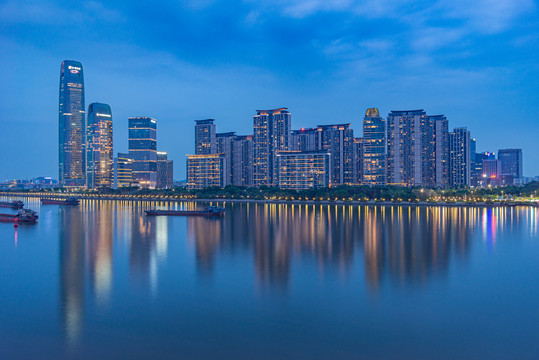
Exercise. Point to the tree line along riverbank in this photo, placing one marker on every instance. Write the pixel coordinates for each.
(377, 194)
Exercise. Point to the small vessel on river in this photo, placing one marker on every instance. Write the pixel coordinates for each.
(68, 201)
(23, 216)
(211, 211)
(16, 204)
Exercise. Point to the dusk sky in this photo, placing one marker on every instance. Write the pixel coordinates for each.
(327, 61)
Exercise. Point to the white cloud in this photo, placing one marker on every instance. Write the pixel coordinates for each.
(487, 16)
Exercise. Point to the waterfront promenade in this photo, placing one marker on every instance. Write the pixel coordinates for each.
(182, 198)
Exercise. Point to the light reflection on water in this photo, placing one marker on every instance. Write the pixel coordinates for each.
(110, 253)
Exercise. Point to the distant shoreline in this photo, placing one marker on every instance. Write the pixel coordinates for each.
(272, 201)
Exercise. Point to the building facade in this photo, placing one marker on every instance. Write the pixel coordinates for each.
(205, 141)
(165, 171)
(492, 168)
(123, 171)
(303, 170)
(359, 159)
(338, 140)
(374, 166)
(460, 157)
(303, 139)
(511, 165)
(225, 147)
(242, 160)
(72, 127)
(405, 147)
(99, 155)
(436, 166)
(271, 134)
(206, 170)
(143, 150)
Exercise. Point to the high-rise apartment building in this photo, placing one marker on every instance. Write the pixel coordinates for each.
(303, 170)
(359, 159)
(373, 167)
(225, 147)
(511, 164)
(338, 140)
(206, 170)
(406, 147)
(242, 160)
(165, 171)
(143, 150)
(72, 128)
(459, 157)
(436, 143)
(205, 141)
(99, 156)
(303, 139)
(271, 134)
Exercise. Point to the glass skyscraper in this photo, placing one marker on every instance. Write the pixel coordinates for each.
(99, 146)
(143, 150)
(72, 129)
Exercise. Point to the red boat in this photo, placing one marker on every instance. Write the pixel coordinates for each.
(68, 201)
(17, 204)
(212, 211)
(23, 216)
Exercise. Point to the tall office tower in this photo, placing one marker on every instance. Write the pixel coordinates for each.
(271, 134)
(205, 142)
(143, 150)
(242, 159)
(225, 146)
(165, 171)
(72, 128)
(459, 157)
(436, 144)
(374, 148)
(338, 139)
(123, 171)
(206, 170)
(511, 161)
(299, 170)
(303, 139)
(99, 158)
(406, 150)
(359, 160)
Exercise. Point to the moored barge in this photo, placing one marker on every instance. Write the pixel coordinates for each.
(23, 216)
(211, 211)
(68, 201)
(17, 204)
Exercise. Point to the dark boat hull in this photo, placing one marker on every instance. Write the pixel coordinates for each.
(58, 202)
(12, 206)
(13, 218)
(183, 213)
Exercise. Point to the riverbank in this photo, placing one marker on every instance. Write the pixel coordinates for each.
(167, 198)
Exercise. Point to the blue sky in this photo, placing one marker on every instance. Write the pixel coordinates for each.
(327, 61)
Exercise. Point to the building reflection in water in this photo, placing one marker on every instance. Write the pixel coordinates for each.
(71, 245)
(399, 244)
(404, 244)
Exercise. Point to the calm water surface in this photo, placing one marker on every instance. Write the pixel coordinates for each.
(270, 281)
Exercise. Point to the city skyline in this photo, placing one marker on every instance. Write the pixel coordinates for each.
(450, 68)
